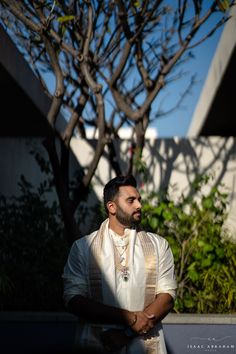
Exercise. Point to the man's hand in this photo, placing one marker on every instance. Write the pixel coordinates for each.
(144, 322)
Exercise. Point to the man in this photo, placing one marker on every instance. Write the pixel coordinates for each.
(120, 280)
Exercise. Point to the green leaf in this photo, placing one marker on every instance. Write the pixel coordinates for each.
(220, 252)
(193, 275)
(206, 262)
(63, 19)
(223, 4)
(158, 210)
(198, 255)
(207, 203)
(201, 243)
(189, 303)
(207, 248)
(153, 223)
(167, 215)
(137, 4)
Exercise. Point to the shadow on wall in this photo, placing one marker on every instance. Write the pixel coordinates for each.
(173, 160)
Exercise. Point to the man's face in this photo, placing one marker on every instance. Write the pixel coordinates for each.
(128, 206)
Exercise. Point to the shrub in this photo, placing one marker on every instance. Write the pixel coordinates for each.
(33, 249)
(205, 258)
(32, 252)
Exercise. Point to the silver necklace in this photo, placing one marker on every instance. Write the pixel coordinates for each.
(119, 257)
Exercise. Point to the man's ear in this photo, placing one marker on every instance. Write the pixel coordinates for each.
(111, 207)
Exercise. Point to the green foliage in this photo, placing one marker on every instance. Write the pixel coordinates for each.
(32, 251)
(33, 247)
(140, 165)
(223, 4)
(205, 261)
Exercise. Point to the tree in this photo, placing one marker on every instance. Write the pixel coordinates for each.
(110, 61)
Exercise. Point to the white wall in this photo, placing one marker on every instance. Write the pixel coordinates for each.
(174, 163)
(170, 162)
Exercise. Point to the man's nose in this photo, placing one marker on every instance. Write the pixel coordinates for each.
(138, 204)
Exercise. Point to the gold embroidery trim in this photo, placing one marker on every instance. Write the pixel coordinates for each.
(95, 276)
(151, 267)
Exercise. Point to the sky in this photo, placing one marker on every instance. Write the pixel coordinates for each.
(177, 123)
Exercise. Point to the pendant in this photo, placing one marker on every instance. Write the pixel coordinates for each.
(125, 273)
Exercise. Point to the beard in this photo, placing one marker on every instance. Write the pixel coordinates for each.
(127, 219)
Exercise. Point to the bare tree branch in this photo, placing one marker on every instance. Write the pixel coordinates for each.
(110, 61)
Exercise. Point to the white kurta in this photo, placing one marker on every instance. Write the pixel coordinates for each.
(128, 295)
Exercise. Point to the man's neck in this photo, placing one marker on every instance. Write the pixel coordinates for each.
(117, 228)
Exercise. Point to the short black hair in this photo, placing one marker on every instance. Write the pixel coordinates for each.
(111, 189)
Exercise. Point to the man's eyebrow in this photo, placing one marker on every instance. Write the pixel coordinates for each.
(133, 198)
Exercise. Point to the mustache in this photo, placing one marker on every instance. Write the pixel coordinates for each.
(138, 211)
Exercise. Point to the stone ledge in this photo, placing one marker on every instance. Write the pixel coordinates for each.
(200, 319)
(67, 317)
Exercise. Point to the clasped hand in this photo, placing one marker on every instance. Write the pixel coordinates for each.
(115, 339)
(144, 322)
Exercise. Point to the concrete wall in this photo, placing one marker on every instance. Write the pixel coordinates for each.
(172, 163)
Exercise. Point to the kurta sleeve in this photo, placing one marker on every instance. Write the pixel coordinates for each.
(74, 274)
(166, 270)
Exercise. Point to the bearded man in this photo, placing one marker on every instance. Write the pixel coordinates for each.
(120, 280)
